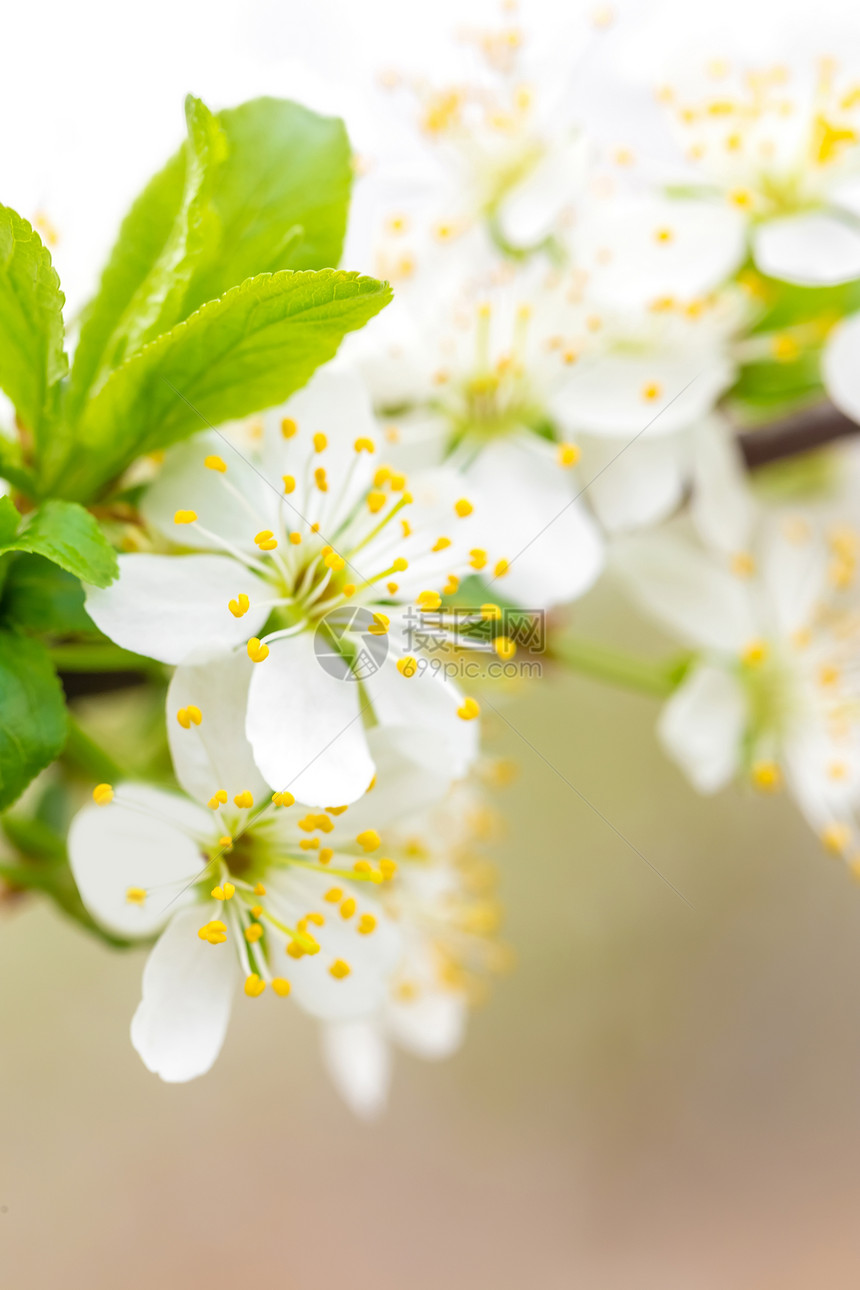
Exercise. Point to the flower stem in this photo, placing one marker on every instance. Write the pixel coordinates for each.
(616, 667)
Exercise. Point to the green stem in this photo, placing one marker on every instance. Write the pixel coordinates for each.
(82, 752)
(99, 658)
(616, 667)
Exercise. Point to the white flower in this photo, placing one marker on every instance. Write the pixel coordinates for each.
(782, 144)
(446, 910)
(841, 367)
(239, 884)
(307, 523)
(773, 692)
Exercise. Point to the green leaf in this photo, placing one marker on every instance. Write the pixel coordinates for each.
(38, 596)
(32, 714)
(145, 282)
(281, 197)
(32, 359)
(9, 520)
(247, 351)
(69, 536)
(12, 466)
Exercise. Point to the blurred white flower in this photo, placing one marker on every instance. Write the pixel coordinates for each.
(339, 533)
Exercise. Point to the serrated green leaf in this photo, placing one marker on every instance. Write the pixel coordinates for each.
(281, 196)
(32, 359)
(38, 596)
(32, 714)
(9, 520)
(247, 351)
(69, 536)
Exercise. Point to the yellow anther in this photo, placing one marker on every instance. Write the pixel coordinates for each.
(837, 770)
(320, 442)
(266, 540)
(215, 932)
(334, 562)
(477, 558)
(785, 349)
(387, 868)
(755, 653)
(184, 517)
(742, 564)
(651, 391)
(364, 445)
(362, 866)
(504, 647)
(828, 674)
(321, 479)
(257, 651)
(366, 924)
(253, 932)
(218, 799)
(190, 716)
(334, 895)
(368, 840)
(102, 794)
(259, 889)
(452, 586)
(309, 844)
(295, 538)
(463, 507)
(325, 855)
(226, 842)
(281, 986)
(468, 710)
(568, 454)
(501, 568)
(283, 799)
(214, 462)
(836, 837)
(766, 776)
(256, 911)
(288, 427)
(227, 892)
(397, 482)
(347, 907)
(380, 625)
(429, 600)
(490, 612)
(441, 544)
(136, 895)
(339, 969)
(742, 198)
(313, 917)
(382, 476)
(407, 666)
(289, 483)
(254, 986)
(375, 501)
(337, 810)
(240, 605)
(663, 235)
(296, 950)
(399, 565)
(244, 800)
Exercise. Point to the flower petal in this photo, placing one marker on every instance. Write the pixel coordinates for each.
(358, 1060)
(432, 1025)
(629, 396)
(816, 249)
(143, 839)
(702, 727)
(633, 486)
(841, 367)
(216, 754)
(305, 726)
(168, 606)
(180, 1023)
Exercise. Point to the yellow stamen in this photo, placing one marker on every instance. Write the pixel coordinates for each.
(766, 776)
(227, 892)
(136, 895)
(257, 651)
(218, 799)
(364, 445)
(253, 932)
(334, 895)
(289, 483)
(469, 710)
(320, 442)
(184, 517)
(429, 600)
(755, 653)
(340, 969)
(266, 540)
(240, 605)
(407, 666)
(288, 427)
(283, 799)
(244, 800)
(281, 986)
(254, 986)
(347, 907)
(215, 932)
(366, 924)
(369, 840)
(189, 716)
(102, 794)
(504, 647)
(568, 454)
(463, 507)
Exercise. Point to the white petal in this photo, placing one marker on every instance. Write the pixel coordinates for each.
(527, 513)
(816, 249)
(681, 587)
(216, 754)
(432, 1025)
(180, 1023)
(702, 727)
(305, 726)
(234, 504)
(630, 487)
(615, 395)
(358, 1060)
(168, 606)
(794, 573)
(841, 367)
(529, 212)
(144, 838)
(413, 771)
(723, 508)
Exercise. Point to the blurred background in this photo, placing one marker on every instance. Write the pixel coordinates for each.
(664, 1091)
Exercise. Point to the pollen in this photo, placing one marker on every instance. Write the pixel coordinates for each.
(340, 969)
(214, 932)
(227, 892)
(102, 794)
(218, 799)
(766, 776)
(289, 483)
(136, 895)
(257, 651)
(190, 716)
(407, 666)
(369, 840)
(244, 800)
(254, 986)
(288, 428)
(347, 907)
(651, 391)
(463, 507)
(281, 986)
(214, 462)
(240, 605)
(366, 924)
(429, 600)
(568, 455)
(266, 540)
(184, 517)
(469, 710)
